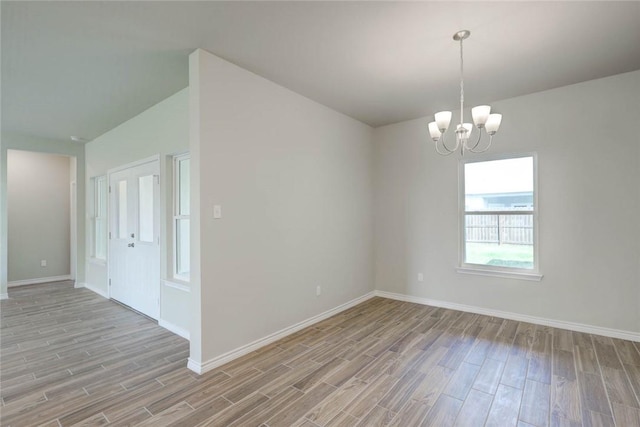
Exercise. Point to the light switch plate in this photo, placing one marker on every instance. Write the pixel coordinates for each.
(217, 211)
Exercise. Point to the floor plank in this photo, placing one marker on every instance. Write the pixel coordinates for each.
(475, 409)
(444, 412)
(505, 407)
(69, 357)
(534, 408)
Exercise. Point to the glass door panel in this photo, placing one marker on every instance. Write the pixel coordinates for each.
(121, 210)
(145, 208)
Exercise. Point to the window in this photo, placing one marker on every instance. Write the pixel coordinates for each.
(499, 216)
(99, 218)
(181, 213)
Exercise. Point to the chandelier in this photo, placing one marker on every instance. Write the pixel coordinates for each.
(482, 118)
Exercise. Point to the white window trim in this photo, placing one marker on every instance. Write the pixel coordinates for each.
(496, 271)
(180, 278)
(94, 259)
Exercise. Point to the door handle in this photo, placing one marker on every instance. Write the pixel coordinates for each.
(130, 245)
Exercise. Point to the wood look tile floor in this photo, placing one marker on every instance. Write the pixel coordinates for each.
(70, 357)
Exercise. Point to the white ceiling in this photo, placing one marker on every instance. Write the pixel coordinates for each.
(82, 68)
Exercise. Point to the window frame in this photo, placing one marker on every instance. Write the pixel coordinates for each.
(497, 271)
(176, 216)
(99, 216)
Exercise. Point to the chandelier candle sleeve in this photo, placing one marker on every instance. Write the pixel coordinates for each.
(482, 119)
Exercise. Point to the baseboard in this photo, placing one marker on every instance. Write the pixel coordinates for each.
(92, 288)
(4, 296)
(572, 326)
(195, 366)
(175, 329)
(201, 368)
(38, 281)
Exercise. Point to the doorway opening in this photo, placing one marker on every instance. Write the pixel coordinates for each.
(41, 217)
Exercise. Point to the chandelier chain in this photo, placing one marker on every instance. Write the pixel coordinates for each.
(461, 84)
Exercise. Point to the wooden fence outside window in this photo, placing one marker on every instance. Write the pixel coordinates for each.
(503, 227)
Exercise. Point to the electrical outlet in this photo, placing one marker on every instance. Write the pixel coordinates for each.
(43, 263)
(318, 291)
(420, 277)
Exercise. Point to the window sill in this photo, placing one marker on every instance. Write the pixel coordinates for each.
(535, 277)
(98, 261)
(177, 284)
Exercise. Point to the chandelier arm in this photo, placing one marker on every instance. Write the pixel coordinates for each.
(485, 148)
(443, 139)
(477, 142)
(443, 153)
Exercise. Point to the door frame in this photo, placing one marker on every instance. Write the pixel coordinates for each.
(155, 157)
(73, 234)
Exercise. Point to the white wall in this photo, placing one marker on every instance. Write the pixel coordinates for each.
(11, 141)
(294, 180)
(162, 129)
(38, 208)
(588, 146)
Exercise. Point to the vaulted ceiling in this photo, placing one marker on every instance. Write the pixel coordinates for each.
(82, 68)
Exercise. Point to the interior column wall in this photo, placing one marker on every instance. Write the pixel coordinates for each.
(294, 181)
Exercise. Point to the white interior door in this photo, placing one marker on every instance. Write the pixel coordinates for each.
(134, 245)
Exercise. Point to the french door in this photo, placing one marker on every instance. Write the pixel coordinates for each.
(134, 244)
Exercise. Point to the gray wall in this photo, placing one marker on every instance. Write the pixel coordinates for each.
(38, 204)
(294, 180)
(588, 146)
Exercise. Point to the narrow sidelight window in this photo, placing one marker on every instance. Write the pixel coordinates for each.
(99, 225)
(181, 215)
